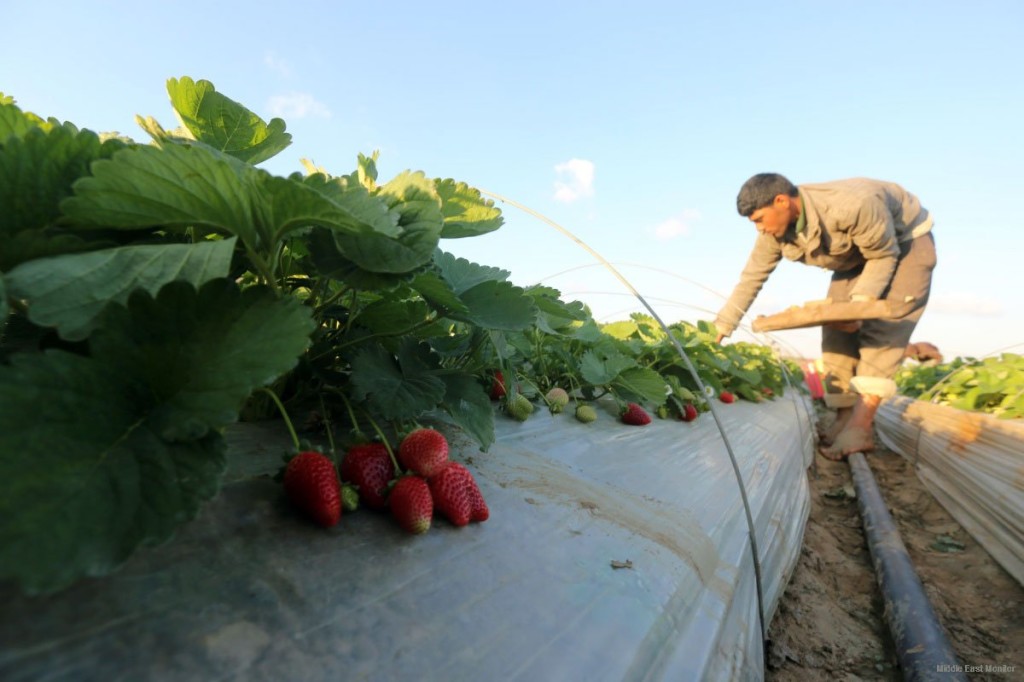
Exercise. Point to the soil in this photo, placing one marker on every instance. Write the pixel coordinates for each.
(830, 622)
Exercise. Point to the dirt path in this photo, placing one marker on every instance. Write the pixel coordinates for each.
(830, 623)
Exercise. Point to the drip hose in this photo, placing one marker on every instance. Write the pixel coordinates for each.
(922, 647)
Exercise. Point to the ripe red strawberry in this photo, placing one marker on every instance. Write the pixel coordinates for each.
(689, 413)
(478, 510)
(369, 467)
(311, 484)
(457, 496)
(423, 451)
(635, 415)
(497, 385)
(726, 397)
(412, 504)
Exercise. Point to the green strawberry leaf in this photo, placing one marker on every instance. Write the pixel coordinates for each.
(296, 203)
(392, 318)
(104, 453)
(69, 292)
(329, 262)
(397, 388)
(181, 185)
(622, 330)
(1012, 407)
(14, 121)
(462, 274)
(641, 384)
(588, 332)
(36, 172)
(707, 331)
(554, 315)
(366, 170)
(470, 407)
(497, 305)
(87, 477)
(379, 253)
(225, 124)
(161, 135)
(415, 200)
(201, 353)
(437, 292)
(600, 367)
(466, 213)
(354, 198)
(170, 186)
(412, 198)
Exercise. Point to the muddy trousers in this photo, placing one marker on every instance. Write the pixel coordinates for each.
(866, 360)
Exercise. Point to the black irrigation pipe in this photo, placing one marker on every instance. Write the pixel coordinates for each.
(921, 644)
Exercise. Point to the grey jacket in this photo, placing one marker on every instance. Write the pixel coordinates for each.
(850, 223)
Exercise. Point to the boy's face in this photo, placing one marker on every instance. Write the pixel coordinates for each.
(775, 218)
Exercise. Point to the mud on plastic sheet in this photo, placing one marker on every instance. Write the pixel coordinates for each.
(612, 553)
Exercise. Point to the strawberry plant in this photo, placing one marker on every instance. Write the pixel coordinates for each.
(153, 293)
(993, 385)
(148, 290)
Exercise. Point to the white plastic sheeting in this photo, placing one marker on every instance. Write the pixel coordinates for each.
(974, 466)
(613, 552)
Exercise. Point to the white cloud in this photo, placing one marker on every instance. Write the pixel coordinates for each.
(676, 226)
(297, 105)
(575, 180)
(277, 64)
(968, 304)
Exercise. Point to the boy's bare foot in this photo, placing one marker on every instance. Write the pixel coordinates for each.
(848, 441)
(827, 434)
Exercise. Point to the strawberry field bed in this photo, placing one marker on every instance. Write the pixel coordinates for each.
(972, 462)
(176, 321)
(611, 553)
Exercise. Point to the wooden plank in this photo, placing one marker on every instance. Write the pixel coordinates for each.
(816, 313)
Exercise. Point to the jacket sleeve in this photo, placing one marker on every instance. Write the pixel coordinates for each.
(765, 255)
(875, 236)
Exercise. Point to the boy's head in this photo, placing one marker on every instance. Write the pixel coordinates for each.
(770, 201)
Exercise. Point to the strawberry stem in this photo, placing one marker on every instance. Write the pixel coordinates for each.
(573, 388)
(351, 415)
(327, 422)
(284, 415)
(387, 446)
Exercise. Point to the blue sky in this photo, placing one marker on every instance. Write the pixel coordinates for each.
(632, 125)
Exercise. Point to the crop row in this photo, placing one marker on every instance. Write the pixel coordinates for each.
(153, 293)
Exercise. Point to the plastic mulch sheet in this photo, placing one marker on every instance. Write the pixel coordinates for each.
(974, 466)
(613, 552)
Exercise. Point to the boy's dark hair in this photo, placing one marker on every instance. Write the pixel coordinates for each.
(761, 190)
